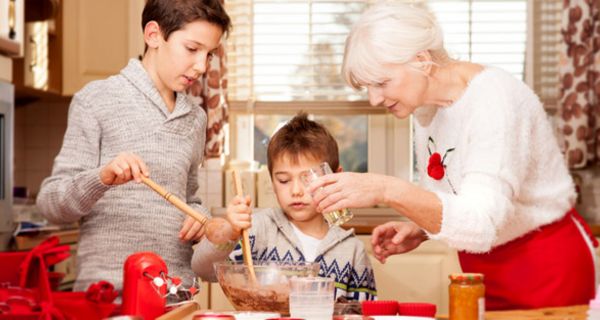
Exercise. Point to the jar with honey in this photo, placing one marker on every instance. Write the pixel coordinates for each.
(467, 296)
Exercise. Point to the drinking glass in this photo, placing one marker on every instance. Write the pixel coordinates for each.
(334, 218)
(311, 298)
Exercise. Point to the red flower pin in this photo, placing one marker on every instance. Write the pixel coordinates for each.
(435, 168)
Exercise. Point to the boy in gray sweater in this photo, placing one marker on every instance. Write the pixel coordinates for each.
(138, 122)
(295, 231)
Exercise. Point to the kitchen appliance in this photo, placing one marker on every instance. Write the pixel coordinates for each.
(145, 287)
(7, 98)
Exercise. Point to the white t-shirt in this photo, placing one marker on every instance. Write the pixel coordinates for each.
(309, 244)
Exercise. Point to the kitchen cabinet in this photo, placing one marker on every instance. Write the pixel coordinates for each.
(98, 38)
(11, 27)
(11, 35)
(418, 276)
(79, 41)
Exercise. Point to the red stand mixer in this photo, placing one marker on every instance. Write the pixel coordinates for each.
(145, 285)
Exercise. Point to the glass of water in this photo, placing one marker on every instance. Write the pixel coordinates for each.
(334, 218)
(311, 298)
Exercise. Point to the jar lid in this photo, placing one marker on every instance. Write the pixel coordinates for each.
(466, 277)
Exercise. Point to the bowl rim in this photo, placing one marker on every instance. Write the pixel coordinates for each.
(260, 265)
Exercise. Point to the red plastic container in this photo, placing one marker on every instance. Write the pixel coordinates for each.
(380, 308)
(417, 309)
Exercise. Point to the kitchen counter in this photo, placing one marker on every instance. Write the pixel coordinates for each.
(562, 313)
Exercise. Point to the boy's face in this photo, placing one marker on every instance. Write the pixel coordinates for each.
(183, 58)
(290, 190)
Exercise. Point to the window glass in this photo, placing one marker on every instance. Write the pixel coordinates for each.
(349, 131)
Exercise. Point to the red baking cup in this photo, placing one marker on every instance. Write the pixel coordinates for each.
(380, 308)
(421, 309)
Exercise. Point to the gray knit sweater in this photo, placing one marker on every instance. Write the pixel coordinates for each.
(125, 113)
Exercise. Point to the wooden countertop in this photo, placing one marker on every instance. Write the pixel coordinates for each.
(562, 313)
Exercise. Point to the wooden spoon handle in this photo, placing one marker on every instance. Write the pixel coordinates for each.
(174, 200)
(237, 185)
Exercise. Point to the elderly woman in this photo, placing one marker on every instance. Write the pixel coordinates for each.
(493, 181)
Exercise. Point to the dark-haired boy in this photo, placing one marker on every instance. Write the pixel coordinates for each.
(121, 128)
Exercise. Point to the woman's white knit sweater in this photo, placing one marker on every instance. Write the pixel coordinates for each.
(504, 173)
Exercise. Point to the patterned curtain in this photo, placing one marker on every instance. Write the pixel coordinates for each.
(210, 93)
(579, 106)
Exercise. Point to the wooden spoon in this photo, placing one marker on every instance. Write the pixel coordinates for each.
(218, 230)
(237, 186)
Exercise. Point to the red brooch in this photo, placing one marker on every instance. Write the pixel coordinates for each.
(436, 168)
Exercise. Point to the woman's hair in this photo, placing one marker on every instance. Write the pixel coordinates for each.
(301, 137)
(390, 33)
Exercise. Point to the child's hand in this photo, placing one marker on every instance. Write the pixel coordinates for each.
(239, 214)
(125, 167)
(192, 230)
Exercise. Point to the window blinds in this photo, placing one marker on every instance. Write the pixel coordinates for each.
(292, 50)
(547, 15)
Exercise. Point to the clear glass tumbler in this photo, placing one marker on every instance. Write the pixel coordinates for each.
(334, 218)
(311, 297)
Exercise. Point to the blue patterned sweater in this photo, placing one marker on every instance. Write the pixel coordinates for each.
(341, 254)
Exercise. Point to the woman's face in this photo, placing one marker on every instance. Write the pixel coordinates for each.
(401, 92)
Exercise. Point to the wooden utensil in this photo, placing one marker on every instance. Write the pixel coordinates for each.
(218, 230)
(237, 186)
(174, 200)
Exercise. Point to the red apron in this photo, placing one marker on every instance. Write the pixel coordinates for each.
(548, 267)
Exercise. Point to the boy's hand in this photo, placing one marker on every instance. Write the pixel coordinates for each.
(239, 214)
(125, 167)
(191, 230)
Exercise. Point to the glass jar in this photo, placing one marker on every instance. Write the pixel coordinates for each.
(467, 296)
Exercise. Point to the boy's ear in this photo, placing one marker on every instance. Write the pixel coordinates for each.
(152, 34)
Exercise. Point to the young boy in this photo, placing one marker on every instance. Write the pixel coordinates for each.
(296, 231)
(138, 122)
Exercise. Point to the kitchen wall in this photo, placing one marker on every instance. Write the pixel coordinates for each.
(39, 130)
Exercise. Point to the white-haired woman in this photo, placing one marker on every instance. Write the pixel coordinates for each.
(493, 182)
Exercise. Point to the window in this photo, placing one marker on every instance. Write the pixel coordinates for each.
(284, 56)
(543, 62)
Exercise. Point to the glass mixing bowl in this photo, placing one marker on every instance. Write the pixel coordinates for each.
(271, 290)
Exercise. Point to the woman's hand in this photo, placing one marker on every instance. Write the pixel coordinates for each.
(348, 190)
(239, 214)
(192, 230)
(123, 168)
(396, 237)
